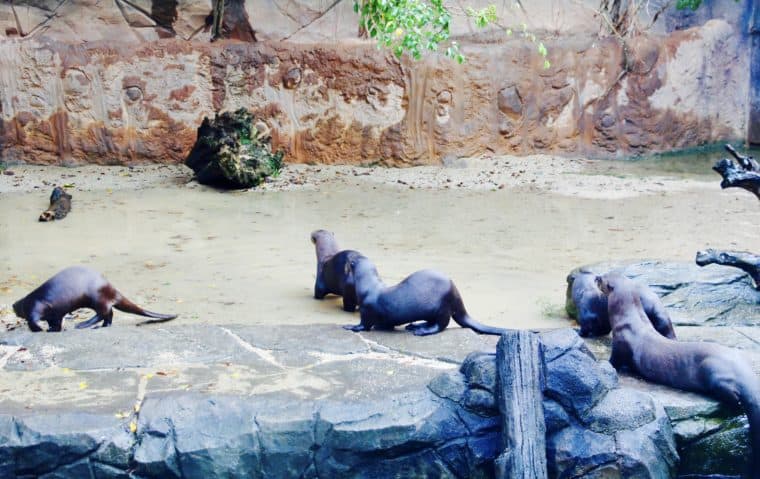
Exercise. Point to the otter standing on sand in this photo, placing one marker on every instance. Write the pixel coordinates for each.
(591, 306)
(333, 275)
(426, 296)
(73, 288)
(706, 368)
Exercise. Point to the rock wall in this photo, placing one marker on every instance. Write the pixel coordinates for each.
(132, 83)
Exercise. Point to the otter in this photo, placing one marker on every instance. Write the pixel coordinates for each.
(425, 301)
(333, 275)
(591, 306)
(73, 288)
(60, 205)
(706, 368)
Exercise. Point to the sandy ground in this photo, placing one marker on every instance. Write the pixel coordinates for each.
(506, 229)
(566, 176)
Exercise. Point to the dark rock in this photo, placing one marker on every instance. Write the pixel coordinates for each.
(648, 451)
(509, 101)
(189, 435)
(578, 382)
(77, 469)
(449, 386)
(620, 409)
(722, 452)
(287, 435)
(482, 451)
(575, 451)
(480, 402)
(52, 444)
(292, 78)
(714, 295)
(555, 416)
(479, 424)
(559, 341)
(230, 152)
(479, 370)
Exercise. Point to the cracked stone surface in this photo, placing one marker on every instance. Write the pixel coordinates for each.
(238, 401)
(262, 401)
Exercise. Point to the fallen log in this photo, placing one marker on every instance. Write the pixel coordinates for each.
(743, 174)
(60, 205)
(747, 262)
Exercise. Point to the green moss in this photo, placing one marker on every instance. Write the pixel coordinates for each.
(230, 152)
(723, 452)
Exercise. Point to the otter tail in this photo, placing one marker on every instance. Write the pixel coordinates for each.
(749, 393)
(459, 313)
(123, 304)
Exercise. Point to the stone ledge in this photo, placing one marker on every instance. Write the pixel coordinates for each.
(231, 400)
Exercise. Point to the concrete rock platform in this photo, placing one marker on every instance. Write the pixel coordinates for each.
(299, 401)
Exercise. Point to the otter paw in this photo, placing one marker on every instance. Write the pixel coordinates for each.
(355, 327)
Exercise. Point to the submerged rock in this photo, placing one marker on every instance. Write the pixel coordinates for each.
(232, 151)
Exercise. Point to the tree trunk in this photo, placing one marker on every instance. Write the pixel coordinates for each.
(519, 379)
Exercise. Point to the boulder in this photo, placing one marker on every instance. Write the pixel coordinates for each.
(232, 151)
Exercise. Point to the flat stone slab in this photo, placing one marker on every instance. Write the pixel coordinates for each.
(712, 295)
(237, 401)
(108, 367)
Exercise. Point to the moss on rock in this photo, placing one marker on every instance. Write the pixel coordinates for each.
(232, 151)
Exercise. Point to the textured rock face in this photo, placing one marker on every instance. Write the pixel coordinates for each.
(257, 401)
(595, 428)
(713, 295)
(134, 82)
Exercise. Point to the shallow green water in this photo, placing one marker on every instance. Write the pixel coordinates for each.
(695, 163)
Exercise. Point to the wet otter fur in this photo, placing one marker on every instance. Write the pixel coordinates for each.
(425, 301)
(73, 288)
(333, 274)
(591, 306)
(60, 205)
(707, 368)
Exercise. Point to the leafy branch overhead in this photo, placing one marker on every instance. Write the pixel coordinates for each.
(411, 26)
(416, 26)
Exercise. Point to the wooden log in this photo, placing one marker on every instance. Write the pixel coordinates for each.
(60, 205)
(519, 381)
(745, 174)
(747, 262)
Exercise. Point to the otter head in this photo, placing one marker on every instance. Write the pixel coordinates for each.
(18, 308)
(361, 266)
(316, 235)
(607, 283)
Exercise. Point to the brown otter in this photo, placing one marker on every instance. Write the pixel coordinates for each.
(333, 275)
(60, 205)
(73, 288)
(591, 306)
(425, 301)
(706, 368)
